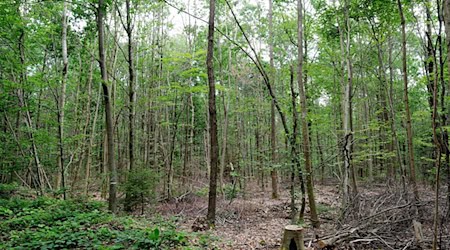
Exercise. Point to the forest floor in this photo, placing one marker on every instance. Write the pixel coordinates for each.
(382, 220)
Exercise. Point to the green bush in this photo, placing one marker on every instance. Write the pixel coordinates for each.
(230, 191)
(140, 186)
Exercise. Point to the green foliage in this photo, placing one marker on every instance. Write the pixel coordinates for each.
(202, 192)
(324, 208)
(231, 191)
(7, 189)
(140, 185)
(47, 223)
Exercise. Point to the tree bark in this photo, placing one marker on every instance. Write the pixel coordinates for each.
(447, 34)
(108, 109)
(62, 99)
(295, 158)
(214, 150)
(131, 81)
(409, 134)
(273, 143)
(132, 96)
(304, 119)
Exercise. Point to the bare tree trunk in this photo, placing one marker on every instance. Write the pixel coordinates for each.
(447, 33)
(304, 119)
(347, 136)
(437, 161)
(409, 135)
(273, 143)
(108, 109)
(224, 142)
(348, 96)
(132, 95)
(295, 161)
(62, 99)
(211, 217)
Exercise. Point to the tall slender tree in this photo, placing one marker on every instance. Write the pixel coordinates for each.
(446, 17)
(214, 145)
(409, 134)
(101, 9)
(62, 98)
(273, 138)
(304, 118)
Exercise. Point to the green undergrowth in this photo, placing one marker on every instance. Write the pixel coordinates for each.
(47, 223)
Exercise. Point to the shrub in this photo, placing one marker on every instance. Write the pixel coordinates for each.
(140, 186)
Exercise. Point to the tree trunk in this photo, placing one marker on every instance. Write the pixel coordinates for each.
(447, 34)
(131, 91)
(409, 135)
(211, 217)
(132, 97)
(304, 119)
(273, 142)
(295, 161)
(293, 238)
(62, 100)
(108, 109)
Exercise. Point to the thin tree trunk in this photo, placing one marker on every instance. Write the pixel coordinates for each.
(224, 142)
(295, 161)
(62, 100)
(446, 18)
(211, 217)
(304, 120)
(348, 100)
(409, 135)
(131, 75)
(437, 161)
(108, 109)
(132, 97)
(273, 143)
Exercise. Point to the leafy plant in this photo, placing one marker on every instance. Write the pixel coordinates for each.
(6, 190)
(47, 223)
(140, 186)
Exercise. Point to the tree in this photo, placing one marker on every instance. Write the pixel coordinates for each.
(62, 98)
(446, 15)
(108, 108)
(412, 171)
(273, 145)
(214, 145)
(304, 118)
(131, 89)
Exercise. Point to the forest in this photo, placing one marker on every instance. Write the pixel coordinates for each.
(224, 124)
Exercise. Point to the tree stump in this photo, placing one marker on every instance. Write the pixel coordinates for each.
(293, 238)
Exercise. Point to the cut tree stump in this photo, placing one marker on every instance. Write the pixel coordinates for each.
(293, 238)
